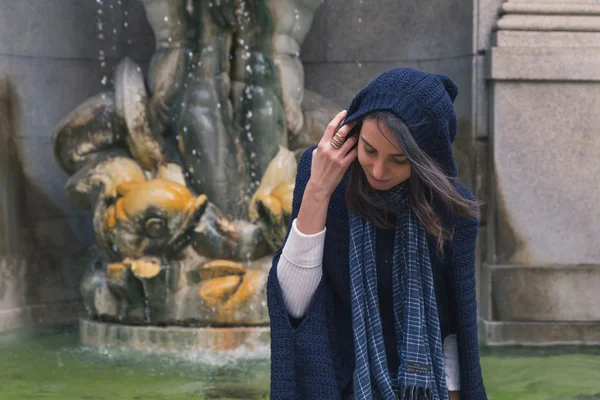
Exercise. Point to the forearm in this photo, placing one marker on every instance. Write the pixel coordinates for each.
(299, 269)
(313, 210)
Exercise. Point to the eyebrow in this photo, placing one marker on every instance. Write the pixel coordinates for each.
(371, 146)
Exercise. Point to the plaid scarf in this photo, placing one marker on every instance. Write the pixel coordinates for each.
(421, 372)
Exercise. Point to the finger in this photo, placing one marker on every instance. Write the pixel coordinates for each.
(348, 145)
(351, 156)
(333, 125)
(345, 130)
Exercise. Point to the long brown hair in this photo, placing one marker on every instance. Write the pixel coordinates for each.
(432, 191)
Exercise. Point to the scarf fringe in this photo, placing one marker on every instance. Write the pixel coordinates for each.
(414, 393)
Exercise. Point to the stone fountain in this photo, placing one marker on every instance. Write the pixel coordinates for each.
(189, 174)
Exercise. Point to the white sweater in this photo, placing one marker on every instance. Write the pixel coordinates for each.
(299, 272)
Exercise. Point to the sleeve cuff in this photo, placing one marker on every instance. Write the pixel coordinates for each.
(451, 363)
(302, 250)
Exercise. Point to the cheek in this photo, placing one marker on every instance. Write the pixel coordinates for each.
(402, 172)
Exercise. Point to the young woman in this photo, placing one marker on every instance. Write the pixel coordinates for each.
(372, 295)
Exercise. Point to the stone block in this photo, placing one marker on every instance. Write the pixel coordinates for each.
(464, 154)
(481, 176)
(39, 315)
(548, 22)
(60, 28)
(38, 278)
(14, 288)
(54, 276)
(70, 233)
(472, 162)
(486, 15)
(392, 30)
(314, 48)
(138, 39)
(546, 151)
(480, 98)
(49, 89)
(341, 81)
(45, 180)
(545, 63)
(553, 293)
(546, 39)
(539, 333)
(99, 334)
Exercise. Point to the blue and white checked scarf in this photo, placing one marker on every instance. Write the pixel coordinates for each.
(421, 372)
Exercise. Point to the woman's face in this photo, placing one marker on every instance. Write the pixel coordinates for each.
(381, 156)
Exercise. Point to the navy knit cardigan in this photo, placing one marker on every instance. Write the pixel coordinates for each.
(313, 358)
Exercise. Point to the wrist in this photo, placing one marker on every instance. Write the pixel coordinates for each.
(317, 192)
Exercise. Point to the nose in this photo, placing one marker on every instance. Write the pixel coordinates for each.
(378, 170)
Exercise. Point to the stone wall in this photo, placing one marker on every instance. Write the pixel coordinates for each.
(49, 64)
(540, 285)
(52, 54)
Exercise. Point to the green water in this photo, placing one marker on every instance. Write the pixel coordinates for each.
(50, 364)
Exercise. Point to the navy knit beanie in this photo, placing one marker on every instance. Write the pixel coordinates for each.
(424, 101)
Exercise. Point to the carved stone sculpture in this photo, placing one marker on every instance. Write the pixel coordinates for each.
(190, 181)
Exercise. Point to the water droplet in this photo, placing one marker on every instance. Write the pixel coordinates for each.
(359, 20)
(166, 19)
(104, 80)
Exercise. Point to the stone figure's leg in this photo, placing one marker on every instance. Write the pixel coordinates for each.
(131, 100)
(87, 132)
(208, 147)
(292, 19)
(171, 25)
(256, 93)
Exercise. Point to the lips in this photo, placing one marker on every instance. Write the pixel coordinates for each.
(378, 180)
